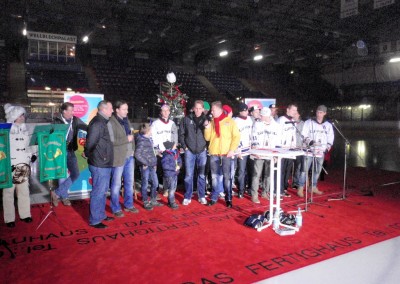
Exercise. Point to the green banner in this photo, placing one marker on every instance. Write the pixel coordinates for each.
(5, 161)
(53, 156)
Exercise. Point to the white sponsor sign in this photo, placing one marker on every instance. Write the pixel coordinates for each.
(382, 3)
(348, 8)
(51, 37)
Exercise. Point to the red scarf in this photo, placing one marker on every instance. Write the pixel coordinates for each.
(216, 123)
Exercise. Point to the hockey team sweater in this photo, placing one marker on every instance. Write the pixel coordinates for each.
(245, 128)
(288, 131)
(163, 131)
(321, 134)
(266, 135)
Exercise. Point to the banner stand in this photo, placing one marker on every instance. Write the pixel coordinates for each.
(52, 147)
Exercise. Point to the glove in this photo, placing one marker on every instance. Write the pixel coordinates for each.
(311, 143)
(33, 158)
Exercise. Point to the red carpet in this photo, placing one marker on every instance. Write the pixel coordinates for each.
(200, 244)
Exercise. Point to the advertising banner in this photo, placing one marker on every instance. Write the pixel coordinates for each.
(5, 162)
(52, 154)
(85, 107)
(259, 102)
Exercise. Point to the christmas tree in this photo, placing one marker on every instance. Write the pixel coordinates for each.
(172, 96)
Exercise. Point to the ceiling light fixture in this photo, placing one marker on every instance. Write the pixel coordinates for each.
(223, 53)
(85, 39)
(222, 41)
(258, 57)
(394, 59)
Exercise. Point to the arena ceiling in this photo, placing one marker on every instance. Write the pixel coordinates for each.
(284, 31)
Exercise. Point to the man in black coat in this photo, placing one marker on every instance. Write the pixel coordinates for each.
(100, 155)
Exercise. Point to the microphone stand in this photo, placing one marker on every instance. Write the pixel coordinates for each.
(346, 146)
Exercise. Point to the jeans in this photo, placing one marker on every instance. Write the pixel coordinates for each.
(286, 173)
(126, 172)
(221, 175)
(191, 160)
(65, 184)
(149, 174)
(261, 169)
(298, 168)
(170, 184)
(101, 181)
(242, 171)
(317, 170)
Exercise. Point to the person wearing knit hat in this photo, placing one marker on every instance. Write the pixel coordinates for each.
(266, 134)
(206, 107)
(245, 125)
(274, 111)
(254, 112)
(228, 110)
(21, 157)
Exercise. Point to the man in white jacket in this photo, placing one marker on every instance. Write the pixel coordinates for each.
(319, 135)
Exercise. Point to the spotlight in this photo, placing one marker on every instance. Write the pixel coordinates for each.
(85, 39)
(394, 59)
(258, 57)
(47, 88)
(24, 32)
(223, 53)
(292, 72)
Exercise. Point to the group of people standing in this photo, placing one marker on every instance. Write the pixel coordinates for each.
(211, 141)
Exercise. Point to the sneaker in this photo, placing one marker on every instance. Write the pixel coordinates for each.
(264, 194)
(66, 202)
(147, 205)
(316, 191)
(203, 201)
(165, 194)
(131, 210)
(255, 199)
(119, 214)
(186, 201)
(286, 194)
(300, 192)
(222, 195)
(54, 198)
(155, 203)
(173, 206)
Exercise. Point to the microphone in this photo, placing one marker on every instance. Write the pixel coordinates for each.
(290, 122)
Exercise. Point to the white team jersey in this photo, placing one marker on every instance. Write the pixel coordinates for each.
(162, 132)
(266, 135)
(321, 133)
(288, 132)
(245, 128)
